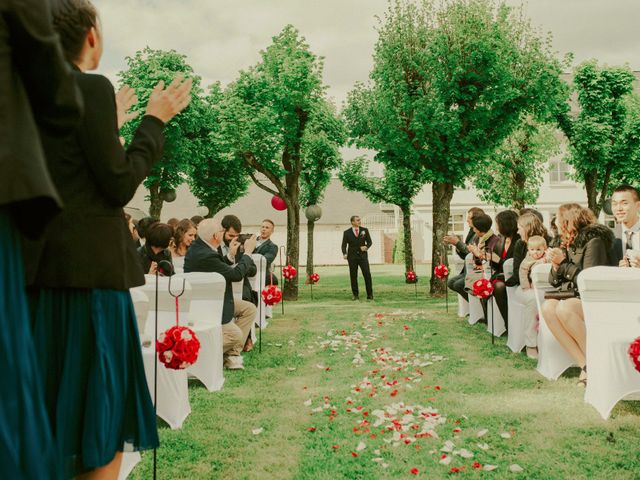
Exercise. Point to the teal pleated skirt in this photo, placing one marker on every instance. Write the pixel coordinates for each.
(27, 450)
(96, 393)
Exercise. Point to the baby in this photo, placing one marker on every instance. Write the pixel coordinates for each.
(536, 250)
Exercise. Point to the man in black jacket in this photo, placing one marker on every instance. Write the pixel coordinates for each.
(203, 256)
(267, 249)
(355, 243)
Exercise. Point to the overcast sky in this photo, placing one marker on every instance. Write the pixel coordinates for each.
(220, 38)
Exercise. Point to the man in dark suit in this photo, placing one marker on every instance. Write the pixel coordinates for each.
(267, 249)
(456, 283)
(231, 250)
(625, 204)
(203, 256)
(355, 243)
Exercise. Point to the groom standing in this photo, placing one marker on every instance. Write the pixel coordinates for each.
(355, 243)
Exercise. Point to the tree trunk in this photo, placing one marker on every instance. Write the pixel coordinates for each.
(591, 186)
(156, 202)
(408, 247)
(290, 291)
(442, 195)
(310, 227)
(519, 181)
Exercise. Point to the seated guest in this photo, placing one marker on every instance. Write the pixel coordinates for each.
(183, 236)
(520, 248)
(196, 219)
(173, 222)
(142, 226)
(267, 249)
(204, 256)
(156, 247)
(585, 244)
(456, 283)
(625, 204)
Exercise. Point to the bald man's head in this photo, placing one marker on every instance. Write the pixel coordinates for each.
(210, 230)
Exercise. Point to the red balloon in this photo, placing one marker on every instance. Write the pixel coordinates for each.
(278, 203)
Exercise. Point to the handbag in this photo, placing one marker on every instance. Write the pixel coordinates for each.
(560, 294)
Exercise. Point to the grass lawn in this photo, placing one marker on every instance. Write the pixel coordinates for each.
(401, 359)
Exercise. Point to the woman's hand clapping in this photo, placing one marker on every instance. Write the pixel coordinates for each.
(166, 103)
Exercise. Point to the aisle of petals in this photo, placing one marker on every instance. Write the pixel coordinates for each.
(396, 424)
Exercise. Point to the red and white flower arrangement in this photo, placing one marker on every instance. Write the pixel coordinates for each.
(289, 272)
(178, 347)
(634, 353)
(314, 278)
(411, 277)
(441, 271)
(271, 295)
(482, 288)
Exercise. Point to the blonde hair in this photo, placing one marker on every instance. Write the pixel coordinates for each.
(532, 225)
(536, 241)
(571, 219)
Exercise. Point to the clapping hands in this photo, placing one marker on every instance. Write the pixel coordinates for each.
(166, 103)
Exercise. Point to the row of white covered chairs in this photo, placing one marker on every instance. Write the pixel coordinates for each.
(611, 304)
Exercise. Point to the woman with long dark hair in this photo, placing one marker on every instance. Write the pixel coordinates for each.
(85, 329)
(584, 244)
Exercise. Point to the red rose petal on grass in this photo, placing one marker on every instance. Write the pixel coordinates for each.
(394, 393)
(335, 447)
(454, 470)
(476, 465)
(443, 456)
(373, 436)
(437, 387)
(457, 430)
(414, 471)
(311, 429)
(354, 454)
(406, 327)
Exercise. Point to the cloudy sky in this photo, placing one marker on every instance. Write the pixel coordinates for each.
(220, 38)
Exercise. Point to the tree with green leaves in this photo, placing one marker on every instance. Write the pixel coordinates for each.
(216, 177)
(511, 176)
(320, 158)
(603, 134)
(450, 82)
(398, 186)
(145, 69)
(269, 111)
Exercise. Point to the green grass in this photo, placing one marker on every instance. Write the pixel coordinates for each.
(554, 434)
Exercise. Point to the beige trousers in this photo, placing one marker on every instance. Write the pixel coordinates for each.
(235, 333)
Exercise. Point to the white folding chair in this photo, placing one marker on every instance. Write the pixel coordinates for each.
(475, 307)
(553, 360)
(515, 339)
(140, 306)
(205, 318)
(611, 304)
(495, 322)
(463, 306)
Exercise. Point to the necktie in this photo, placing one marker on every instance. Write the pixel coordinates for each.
(629, 235)
(357, 232)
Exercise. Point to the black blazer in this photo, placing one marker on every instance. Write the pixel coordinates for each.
(36, 87)
(351, 245)
(202, 258)
(269, 251)
(89, 244)
(246, 284)
(146, 256)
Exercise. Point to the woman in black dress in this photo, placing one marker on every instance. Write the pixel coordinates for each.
(84, 324)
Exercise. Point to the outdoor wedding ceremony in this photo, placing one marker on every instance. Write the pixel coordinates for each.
(356, 239)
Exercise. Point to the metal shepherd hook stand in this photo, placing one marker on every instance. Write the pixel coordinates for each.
(163, 267)
(446, 288)
(487, 257)
(282, 248)
(260, 302)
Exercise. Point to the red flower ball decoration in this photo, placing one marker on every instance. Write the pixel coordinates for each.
(271, 295)
(289, 272)
(278, 203)
(178, 347)
(411, 277)
(634, 353)
(482, 288)
(441, 271)
(314, 278)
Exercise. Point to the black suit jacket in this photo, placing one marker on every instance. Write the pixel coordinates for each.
(269, 251)
(36, 87)
(202, 258)
(351, 245)
(89, 244)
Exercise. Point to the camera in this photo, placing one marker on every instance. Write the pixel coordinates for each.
(243, 237)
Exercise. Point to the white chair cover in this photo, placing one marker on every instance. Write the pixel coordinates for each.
(166, 302)
(258, 283)
(515, 340)
(553, 360)
(141, 307)
(205, 318)
(178, 264)
(463, 306)
(495, 322)
(475, 307)
(611, 303)
(129, 462)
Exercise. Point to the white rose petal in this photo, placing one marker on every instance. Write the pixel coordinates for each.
(307, 403)
(483, 446)
(489, 468)
(445, 461)
(515, 468)
(257, 431)
(482, 433)
(505, 435)
(361, 446)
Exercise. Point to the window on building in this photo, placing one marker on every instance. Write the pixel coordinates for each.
(457, 223)
(559, 171)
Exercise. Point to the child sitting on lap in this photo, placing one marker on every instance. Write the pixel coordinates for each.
(536, 251)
